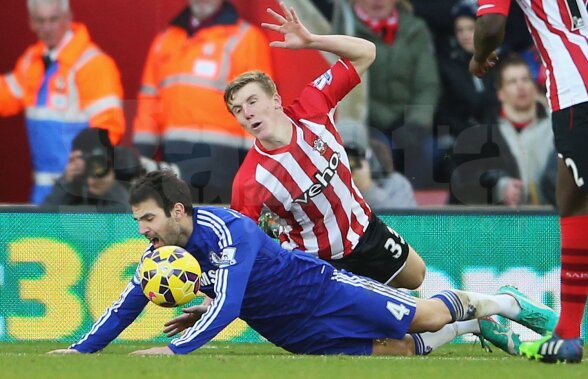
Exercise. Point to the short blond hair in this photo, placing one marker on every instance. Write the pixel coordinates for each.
(265, 82)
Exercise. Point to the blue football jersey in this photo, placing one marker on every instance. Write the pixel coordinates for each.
(246, 273)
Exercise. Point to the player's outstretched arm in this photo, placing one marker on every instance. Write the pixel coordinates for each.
(488, 36)
(361, 53)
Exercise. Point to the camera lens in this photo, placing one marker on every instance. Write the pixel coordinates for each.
(96, 163)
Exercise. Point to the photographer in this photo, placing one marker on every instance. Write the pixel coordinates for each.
(372, 169)
(89, 177)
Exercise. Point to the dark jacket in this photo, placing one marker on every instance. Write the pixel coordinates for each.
(466, 100)
(485, 154)
(403, 80)
(76, 194)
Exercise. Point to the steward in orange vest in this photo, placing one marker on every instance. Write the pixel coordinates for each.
(63, 89)
(181, 107)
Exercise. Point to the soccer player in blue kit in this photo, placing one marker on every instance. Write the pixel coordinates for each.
(295, 301)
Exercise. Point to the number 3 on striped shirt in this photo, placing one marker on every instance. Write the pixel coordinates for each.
(397, 310)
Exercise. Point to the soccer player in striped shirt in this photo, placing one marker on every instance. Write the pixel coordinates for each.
(296, 301)
(298, 168)
(560, 32)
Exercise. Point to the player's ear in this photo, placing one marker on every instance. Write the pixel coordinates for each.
(277, 101)
(178, 210)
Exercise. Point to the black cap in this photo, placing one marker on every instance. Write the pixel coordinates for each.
(467, 8)
(127, 164)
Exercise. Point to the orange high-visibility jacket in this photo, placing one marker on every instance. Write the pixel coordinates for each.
(181, 97)
(82, 88)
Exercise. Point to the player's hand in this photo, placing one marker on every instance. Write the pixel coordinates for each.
(185, 320)
(75, 167)
(160, 350)
(480, 69)
(64, 351)
(296, 36)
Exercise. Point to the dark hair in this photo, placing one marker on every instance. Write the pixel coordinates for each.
(165, 188)
(503, 64)
(464, 8)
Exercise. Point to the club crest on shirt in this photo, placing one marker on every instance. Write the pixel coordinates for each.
(225, 259)
(319, 145)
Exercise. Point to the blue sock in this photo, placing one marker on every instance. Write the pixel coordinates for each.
(451, 300)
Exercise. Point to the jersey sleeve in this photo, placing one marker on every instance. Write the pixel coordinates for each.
(325, 92)
(115, 319)
(493, 7)
(232, 277)
(245, 190)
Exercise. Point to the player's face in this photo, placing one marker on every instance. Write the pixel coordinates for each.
(202, 9)
(464, 33)
(518, 89)
(158, 228)
(256, 110)
(377, 9)
(49, 22)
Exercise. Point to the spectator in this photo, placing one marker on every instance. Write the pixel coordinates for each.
(89, 177)
(439, 19)
(467, 100)
(181, 107)
(65, 83)
(380, 185)
(514, 154)
(403, 82)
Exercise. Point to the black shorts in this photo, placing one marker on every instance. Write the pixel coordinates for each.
(380, 254)
(570, 129)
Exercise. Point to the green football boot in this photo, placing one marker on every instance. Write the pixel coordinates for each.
(499, 335)
(554, 349)
(535, 316)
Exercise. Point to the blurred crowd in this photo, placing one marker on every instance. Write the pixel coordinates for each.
(419, 124)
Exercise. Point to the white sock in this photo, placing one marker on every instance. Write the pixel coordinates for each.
(429, 341)
(424, 343)
(489, 305)
(465, 327)
(509, 307)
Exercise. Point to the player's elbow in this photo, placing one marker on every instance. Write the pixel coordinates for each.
(370, 53)
(365, 58)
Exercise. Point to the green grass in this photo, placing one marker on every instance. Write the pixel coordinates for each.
(225, 360)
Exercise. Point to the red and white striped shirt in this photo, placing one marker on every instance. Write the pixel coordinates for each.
(308, 183)
(560, 31)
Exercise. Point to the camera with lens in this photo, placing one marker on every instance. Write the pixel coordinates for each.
(98, 162)
(356, 155)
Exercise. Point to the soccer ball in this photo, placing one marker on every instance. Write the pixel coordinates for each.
(170, 276)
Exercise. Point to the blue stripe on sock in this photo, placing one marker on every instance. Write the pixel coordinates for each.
(419, 344)
(451, 300)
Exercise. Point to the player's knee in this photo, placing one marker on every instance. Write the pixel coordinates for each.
(418, 276)
(431, 316)
(411, 278)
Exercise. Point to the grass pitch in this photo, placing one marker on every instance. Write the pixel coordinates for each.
(241, 360)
